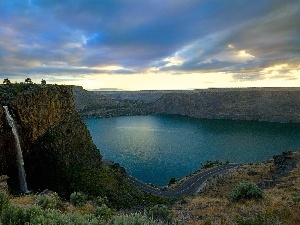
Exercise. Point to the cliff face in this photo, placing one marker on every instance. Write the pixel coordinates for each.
(264, 104)
(102, 104)
(53, 138)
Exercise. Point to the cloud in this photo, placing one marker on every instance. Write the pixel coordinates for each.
(58, 37)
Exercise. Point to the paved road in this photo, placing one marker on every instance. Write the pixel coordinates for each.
(188, 187)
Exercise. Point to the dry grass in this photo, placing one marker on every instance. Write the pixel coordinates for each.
(26, 200)
(86, 209)
(212, 207)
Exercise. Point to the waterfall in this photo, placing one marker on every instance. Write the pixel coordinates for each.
(20, 161)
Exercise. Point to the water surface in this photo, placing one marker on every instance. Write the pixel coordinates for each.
(156, 148)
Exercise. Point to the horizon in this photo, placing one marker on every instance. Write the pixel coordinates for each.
(170, 45)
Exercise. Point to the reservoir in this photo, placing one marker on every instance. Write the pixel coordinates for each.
(157, 147)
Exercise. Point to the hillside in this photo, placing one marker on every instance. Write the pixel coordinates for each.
(279, 180)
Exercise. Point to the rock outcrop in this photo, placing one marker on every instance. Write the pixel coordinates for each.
(285, 162)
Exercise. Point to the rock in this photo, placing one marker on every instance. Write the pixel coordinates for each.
(267, 184)
(285, 162)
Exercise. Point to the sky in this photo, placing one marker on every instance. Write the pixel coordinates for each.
(152, 44)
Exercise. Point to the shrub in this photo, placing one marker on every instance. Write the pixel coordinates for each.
(133, 219)
(160, 212)
(4, 201)
(100, 200)
(78, 199)
(51, 217)
(245, 190)
(210, 164)
(15, 215)
(261, 219)
(296, 199)
(47, 201)
(104, 212)
(172, 180)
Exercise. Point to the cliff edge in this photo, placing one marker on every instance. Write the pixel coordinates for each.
(58, 151)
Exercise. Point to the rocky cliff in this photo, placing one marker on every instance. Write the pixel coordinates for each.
(53, 138)
(263, 104)
(58, 150)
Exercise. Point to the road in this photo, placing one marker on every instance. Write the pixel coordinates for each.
(188, 187)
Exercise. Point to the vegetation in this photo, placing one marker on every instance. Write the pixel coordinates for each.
(260, 219)
(78, 199)
(6, 81)
(162, 213)
(209, 164)
(15, 214)
(28, 81)
(245, 190)
(172, 180)
(48, 201)
(296, 199)
(4, 201)
(104, 212)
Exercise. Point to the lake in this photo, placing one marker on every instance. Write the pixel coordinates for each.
(157, 147)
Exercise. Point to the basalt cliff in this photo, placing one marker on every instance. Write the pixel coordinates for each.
(261, 104)
(58, 150)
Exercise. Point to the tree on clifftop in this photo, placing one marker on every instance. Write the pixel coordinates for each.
(43, 82)
(28, 81)
(6, 81)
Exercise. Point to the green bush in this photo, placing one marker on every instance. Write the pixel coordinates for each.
(4, 201)
(55, 217)
(161, 212)
(296, 199)
(15, 215)
(100, 200)
(245, 190)
(172, 180)
(104, 212)
(47, 201)
(78, 199)
(210, 164)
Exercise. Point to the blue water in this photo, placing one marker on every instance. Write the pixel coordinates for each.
(156, 148)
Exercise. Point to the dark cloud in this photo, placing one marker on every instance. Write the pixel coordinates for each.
(54, 36)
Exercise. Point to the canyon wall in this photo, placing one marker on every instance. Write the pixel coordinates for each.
(110, 104)
(262, 104)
